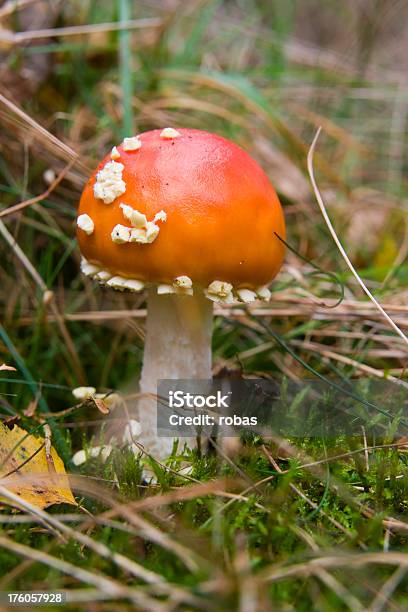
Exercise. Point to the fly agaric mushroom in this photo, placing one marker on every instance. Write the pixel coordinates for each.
(193, 218)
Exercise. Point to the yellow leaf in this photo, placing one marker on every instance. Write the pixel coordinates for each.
(26, 470)
(387, 253)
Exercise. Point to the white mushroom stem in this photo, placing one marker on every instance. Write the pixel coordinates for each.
(177, 346)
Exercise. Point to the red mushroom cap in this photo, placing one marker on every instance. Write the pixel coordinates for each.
(221, 212)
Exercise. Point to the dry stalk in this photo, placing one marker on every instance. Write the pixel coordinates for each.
(340, 246)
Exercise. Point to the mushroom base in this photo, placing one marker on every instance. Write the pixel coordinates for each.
(177, 346)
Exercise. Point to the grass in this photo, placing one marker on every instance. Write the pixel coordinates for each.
(291, 524)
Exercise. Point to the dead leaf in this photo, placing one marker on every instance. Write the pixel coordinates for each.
(11, 421)
(101, 406)
(24, 469)
(284, 174)
(403, 445)
(31, 408)
(4, 366)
